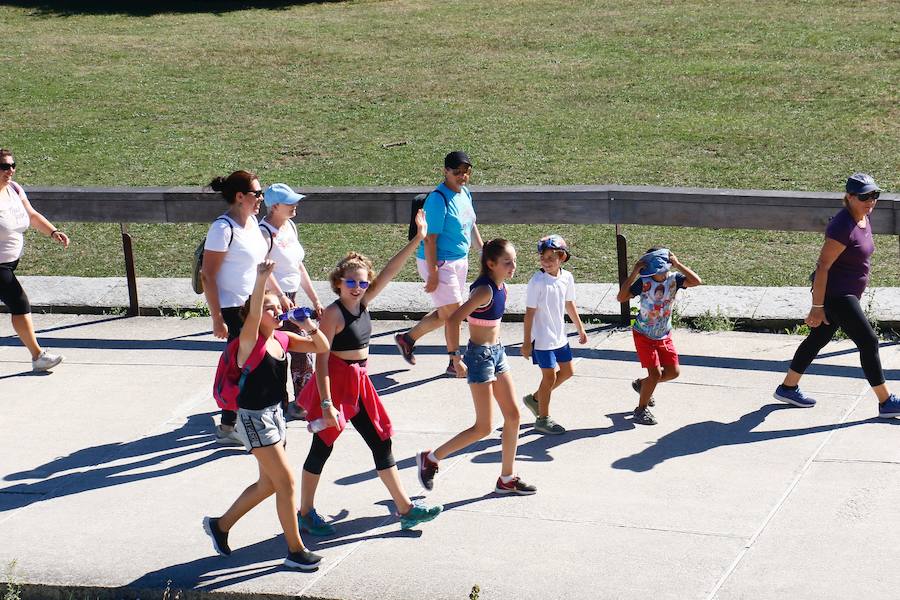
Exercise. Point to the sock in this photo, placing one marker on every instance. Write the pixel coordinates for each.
(432, 457)
(790, 387)
(507, 478)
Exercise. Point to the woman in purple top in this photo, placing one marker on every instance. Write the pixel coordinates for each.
(841, 275)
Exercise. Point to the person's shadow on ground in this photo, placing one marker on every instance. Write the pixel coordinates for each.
(193, 437)
(697, 438)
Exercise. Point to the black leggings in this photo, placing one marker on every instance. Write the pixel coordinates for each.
(233, 321)
(846, 313)
(381, 449)
(11, 292)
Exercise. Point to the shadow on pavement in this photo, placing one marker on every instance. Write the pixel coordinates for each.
(195, 436)
(697, 438)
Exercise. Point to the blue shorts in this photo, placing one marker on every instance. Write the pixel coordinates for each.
(485, 362)
(548, 359)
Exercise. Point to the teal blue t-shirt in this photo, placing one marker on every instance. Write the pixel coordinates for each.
(452, 221)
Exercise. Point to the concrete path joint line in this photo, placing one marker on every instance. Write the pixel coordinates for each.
(781, 502)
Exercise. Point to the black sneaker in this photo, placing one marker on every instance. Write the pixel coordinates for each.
(427, 469)
(303, 560)
(636, 386)
(643, 416)
(219, 537)
(406, 347)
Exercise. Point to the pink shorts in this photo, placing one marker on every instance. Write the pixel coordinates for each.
(653, 353)
(451, 280)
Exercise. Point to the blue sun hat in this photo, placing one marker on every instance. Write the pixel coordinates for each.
(554, 242)
(655, 262)
(281, 193)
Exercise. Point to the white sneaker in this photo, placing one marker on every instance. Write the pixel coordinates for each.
(228, 438)
(45, 361)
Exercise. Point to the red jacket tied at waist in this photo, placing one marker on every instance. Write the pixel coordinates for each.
(350, 383)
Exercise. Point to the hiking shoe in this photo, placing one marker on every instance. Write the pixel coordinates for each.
(548, 425)
(427, 469)
(531, 404)
(228, 437)
(303, 560)
(795, 397)
(419, 513)
(294, 412)
(515, 486)
(218, 537)
(45, 361)
(643, 416)
(890, 407)
(406, 347)
(314, 524)
(451, 370)
(636, 386)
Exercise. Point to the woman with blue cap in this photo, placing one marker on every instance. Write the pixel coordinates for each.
(839, 280)
(280, 231)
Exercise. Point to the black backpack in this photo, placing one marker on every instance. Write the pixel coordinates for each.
(417, 204)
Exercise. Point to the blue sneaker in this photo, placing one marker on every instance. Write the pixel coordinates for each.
(795, 397)
(315, 524)
(419, 513)
(890, 407)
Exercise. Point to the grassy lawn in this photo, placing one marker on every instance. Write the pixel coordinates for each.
(767, 95)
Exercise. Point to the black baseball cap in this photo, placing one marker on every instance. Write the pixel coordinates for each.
(455, 159)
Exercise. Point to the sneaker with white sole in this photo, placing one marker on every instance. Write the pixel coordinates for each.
(427, 469)
(643, 416)
(219, 538)
(406, 347)
(514, 486)
(549, 426)
(303, 560)
(795, 397)
(45, 361)
(313, 523)
(890, 407)
(228, 437)
(419, 513)
(636, 386)
(294, 412)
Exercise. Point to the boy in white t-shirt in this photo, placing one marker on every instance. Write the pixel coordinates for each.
(550, 295)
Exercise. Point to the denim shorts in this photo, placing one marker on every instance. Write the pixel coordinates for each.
(549, 359)
(261, 428)
(485, 362)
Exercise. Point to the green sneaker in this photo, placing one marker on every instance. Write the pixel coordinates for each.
(531, 404)
(315, 524)
(549, 426)
(419, 513)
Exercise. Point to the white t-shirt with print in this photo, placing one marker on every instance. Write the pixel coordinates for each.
(14, 221)
(238, 273)
(548, 295)
(286, 252)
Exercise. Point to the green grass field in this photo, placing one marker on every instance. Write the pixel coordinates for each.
(766, 95)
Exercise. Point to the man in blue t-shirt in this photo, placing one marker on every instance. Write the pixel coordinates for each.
(443, 257)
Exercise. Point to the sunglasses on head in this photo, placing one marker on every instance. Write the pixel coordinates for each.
(868, 196)
(7, 166)
(352, 283)
(257, 193)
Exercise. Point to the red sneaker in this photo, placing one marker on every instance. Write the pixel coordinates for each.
(427, 469)
(515, 486)
(406, 348)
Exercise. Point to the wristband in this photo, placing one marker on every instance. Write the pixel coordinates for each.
(818, 306)
(54, 232)
(326, 403)
(454, 352)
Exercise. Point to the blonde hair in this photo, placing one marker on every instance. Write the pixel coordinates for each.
(353, 260)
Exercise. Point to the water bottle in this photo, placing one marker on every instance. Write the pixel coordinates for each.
(298, 313)
(319, 424)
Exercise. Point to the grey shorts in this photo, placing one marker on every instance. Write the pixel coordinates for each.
(261, 428)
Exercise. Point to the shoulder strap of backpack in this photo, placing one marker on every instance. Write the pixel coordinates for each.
(443, 195)
(256, 356)
(230, 227)
(16, 187)
(265, 226)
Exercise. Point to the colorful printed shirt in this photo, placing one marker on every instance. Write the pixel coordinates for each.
(654, 319)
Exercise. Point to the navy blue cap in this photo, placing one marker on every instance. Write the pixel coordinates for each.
(455, 159)
(861, 183)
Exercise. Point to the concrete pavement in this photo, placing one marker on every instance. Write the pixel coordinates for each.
(109, 465)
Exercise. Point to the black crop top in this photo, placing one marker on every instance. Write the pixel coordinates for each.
(265, 385)
(356, 332)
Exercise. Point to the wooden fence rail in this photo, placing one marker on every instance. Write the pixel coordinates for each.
(577, 204)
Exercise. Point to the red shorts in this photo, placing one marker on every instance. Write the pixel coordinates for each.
(653, 353)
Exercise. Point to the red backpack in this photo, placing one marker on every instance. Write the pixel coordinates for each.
(230, 378)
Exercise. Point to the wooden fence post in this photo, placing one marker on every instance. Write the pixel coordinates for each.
(130, 274)
(622, 260)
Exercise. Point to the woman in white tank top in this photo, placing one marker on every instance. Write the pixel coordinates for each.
(16, 215)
